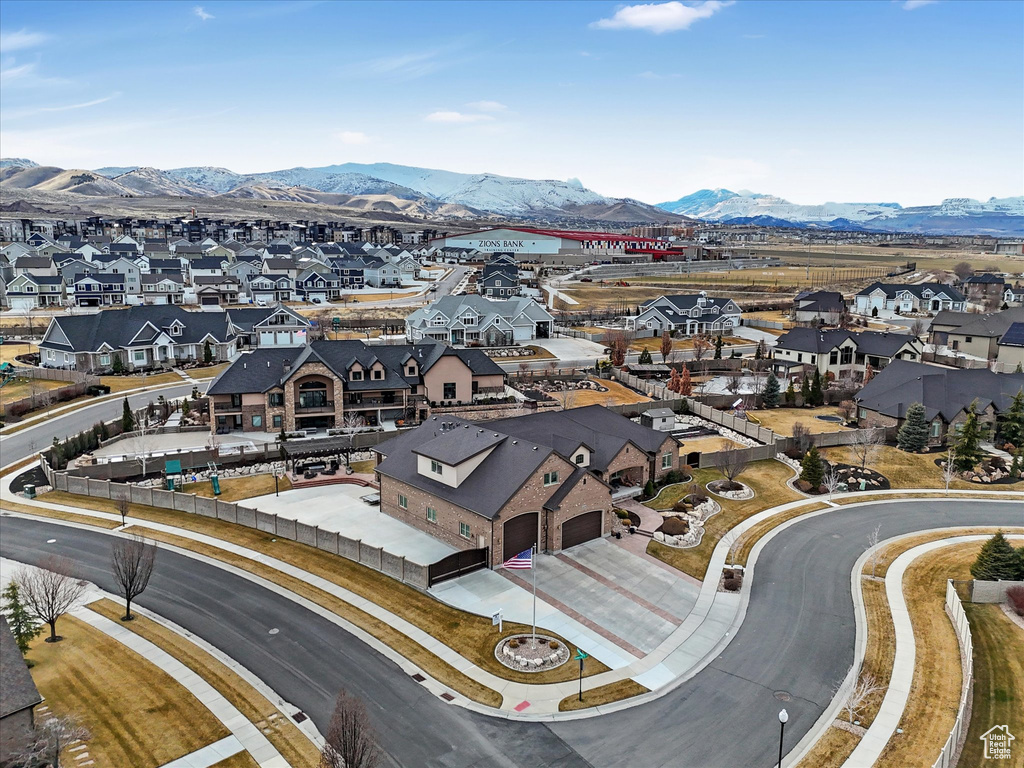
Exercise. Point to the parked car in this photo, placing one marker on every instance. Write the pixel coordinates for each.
(95, 390)
(586, 279)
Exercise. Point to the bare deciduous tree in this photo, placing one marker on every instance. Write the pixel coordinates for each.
(873, 546)
(801, 437)
(864, 444)
(132, 561)
(734, 463)
(949, 470)
(831, 482)
(701, 344)
(49, 740)
(848, 409)
(666, 345)
(567, 398)
(351, 741)
(917, 328)
(50, 591)
(123, 507)
(854, 701)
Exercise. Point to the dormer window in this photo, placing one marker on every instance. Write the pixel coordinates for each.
(411, 371)
(378, 373)
(355, 375)
(176, 329)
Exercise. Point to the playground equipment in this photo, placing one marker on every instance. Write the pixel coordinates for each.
(7, 373)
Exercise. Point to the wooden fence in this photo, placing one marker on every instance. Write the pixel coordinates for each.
(377, 558)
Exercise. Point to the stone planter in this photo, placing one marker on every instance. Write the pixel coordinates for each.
(530, 655)
(741, 495)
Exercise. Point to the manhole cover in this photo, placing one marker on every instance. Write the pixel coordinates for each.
(783, 695)
(447, 697)
(418, 677)
(274, 631)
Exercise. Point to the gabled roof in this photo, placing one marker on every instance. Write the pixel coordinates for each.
(943, 391)
(984, 279)
(117, 327)
(154, 279)
(820, 342)
(20, 691)
(1014, 336)
(987, 325)
(892, 289)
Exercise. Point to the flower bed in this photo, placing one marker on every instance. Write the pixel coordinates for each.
(730, 490)
(528, 654)
(993, 470)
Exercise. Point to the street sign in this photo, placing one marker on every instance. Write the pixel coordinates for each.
(581, 655)
(336, 322)
(496, 620)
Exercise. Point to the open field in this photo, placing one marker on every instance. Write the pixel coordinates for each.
(767, 478)
(293, 745)
(137, 713)
(998, 680)
(238, 488)
(781, 420)
(869, 255)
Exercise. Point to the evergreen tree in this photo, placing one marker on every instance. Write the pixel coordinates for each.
(207, 353)
(57, 454)
(811, 468)
(997, 561)
(718, 347)
(185, 407)
(117, 365)
(649, 490)
(645, 357)
(790, 394)
(1015, 465)
(104, 432)
(817, 394)
(805, 391)
(760, 353)
(770, 396)
(127, 418)
(968, 442)
(24, 625)
(1019, 368)
(913, 435)
(1012, 422)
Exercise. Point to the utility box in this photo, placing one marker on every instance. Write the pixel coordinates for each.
(30, 490)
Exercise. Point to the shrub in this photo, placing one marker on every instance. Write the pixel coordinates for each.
(513, 643)
(1015, 597)
(622, 514)
(731, 585)
(675, 526)
(680, 506)
(553, 645)
(649, 490)
(729, 573)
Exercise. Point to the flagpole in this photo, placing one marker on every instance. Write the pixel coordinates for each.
(533, 563)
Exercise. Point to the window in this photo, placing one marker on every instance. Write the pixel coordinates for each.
(800, 357)
(936, 428)
(464, 530)
(276, 398)
(104, 359)
(432, 518)
(355, 375)
(403, 502)
(257, 421)
(863, 413)
(666, 461)
(436, 467)
(411, 370)
(833, 357)
(378, 373)
(278, 422)
(449, 390)
(968, 339)
(139, 356)
(550, 478)
(579, 459)
(847, 356)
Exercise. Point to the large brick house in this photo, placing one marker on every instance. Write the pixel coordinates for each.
(320, 385)
(549, 479)
(945, 393)
(844, 354)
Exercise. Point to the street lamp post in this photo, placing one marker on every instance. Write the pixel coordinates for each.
(783, 719)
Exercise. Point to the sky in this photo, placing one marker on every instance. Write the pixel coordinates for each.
(908, 101)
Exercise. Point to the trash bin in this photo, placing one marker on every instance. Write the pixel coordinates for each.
(30, 490)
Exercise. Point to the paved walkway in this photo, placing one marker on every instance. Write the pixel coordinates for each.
(689, 647)
(208, 755)
(338, 508)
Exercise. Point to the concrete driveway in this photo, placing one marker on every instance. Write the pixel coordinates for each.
(565, 348)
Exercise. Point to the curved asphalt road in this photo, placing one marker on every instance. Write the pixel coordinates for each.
(18, 445)
(797, 637)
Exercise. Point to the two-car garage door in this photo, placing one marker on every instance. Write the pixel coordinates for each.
(581, 528)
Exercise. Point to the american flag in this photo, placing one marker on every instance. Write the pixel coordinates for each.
(522, 561)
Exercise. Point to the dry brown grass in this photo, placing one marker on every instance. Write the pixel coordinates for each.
(238, 488)
(767, 478)
(137, 381)
(998, 680)
(604, 694)
(56, 514)
(294, 746)
(880, 649)
(709, 445)
(240, 760)
(10, 350)
(617, 394)
(653, 344)
(208, 372)
(781, 420)
(363, 467)
(831, 750)
(137, 714)
(903, 470)
(17, 389)
(18, 466)
(935, 690)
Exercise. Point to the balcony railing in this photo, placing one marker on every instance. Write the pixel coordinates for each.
(226, 407)
(373, 402)
(327, 407)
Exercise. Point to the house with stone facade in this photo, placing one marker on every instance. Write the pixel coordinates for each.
(546, 479)
(689, 314)
(477, 321)
(144, 337)
(946, 394)
(902, 298)
(973, 334)
(331, 384)
(844, 354)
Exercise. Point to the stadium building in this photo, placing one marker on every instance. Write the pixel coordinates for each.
(554, 246)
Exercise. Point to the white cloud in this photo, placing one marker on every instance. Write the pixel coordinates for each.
(14, 115)
(201, 13)
(16, 41)
(352, 137)
(446, 116)
(913, 5)
(487, 106)
(12, 73)
(661, 17)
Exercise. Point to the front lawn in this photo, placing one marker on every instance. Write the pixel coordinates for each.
(781, 420)
(903, 470)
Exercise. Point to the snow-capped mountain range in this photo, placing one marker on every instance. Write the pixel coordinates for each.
(468, 195)
(996, 216)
